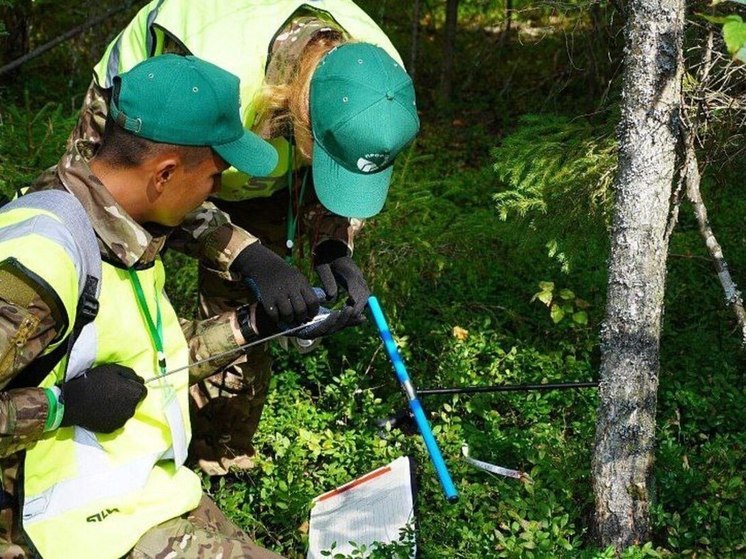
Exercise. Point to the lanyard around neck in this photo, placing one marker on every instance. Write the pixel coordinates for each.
(179, 436)
(155, 331)
(292, 219)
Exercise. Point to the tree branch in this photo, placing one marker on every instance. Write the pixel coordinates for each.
(691, 177)
(77, 30)
(732, 295)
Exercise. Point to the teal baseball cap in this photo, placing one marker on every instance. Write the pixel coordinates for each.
(187, 101)
(363, 113)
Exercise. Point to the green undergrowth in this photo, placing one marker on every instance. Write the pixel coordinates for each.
(457, 293)
(31, 139)
(457, 285)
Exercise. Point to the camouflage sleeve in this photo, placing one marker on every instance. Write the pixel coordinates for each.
(325, 225)
(208, 338)
(208, 235)
(27, 326)
(23, 413)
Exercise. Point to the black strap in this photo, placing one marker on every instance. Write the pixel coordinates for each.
(41, 367)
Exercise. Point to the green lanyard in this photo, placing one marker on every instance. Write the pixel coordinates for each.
(155, 331)
(293, 219)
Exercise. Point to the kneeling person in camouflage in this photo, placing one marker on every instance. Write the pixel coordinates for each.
(106, 430)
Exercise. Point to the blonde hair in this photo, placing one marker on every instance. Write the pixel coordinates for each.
(283, 109)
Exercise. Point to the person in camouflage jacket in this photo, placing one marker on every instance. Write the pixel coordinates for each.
(30, 320)
(282, 211)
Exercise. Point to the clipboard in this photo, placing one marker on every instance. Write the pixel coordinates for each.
(374, 509)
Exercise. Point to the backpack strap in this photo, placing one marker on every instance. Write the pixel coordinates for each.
(68, 209)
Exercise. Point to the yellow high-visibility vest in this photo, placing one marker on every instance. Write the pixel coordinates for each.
(92, 495)
(235, 35)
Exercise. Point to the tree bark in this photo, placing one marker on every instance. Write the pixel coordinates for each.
(15, 19)
(648, 135)
(415, 38)
(449, 45)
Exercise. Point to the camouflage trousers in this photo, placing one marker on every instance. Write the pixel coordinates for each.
(12, 541)
(205, 533)
(229, 404)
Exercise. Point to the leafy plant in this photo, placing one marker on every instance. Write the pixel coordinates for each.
(403, 548)
(562, 303)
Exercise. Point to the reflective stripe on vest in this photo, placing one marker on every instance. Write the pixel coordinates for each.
(94, 495)
(73, 228)
(149, 45)
(235, 35)
(35, 238)
(62, 219)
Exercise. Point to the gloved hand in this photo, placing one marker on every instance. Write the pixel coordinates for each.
(336, 269)
(334, 321)
(253, 321)
(284, 292)
(102, 399)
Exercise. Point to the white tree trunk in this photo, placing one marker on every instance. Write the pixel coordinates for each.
(648, 134)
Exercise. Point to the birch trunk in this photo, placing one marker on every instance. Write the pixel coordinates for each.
(648, 134)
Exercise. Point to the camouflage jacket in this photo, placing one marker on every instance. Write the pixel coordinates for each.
(28, 325)
(218, 251)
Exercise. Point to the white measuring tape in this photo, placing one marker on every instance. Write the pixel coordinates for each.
(486, 466)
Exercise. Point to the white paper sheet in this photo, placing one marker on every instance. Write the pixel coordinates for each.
(372, 508)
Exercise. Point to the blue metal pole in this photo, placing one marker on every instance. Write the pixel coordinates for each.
(414, 404)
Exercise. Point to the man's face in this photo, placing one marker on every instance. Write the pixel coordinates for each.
(188, 187)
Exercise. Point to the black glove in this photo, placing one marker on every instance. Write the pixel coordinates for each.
(334, 322)
(102, 399)
(253, 321)
(336, 269)
(283, 291)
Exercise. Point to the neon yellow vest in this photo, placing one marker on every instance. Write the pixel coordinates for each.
(235, 35)
(93, 495)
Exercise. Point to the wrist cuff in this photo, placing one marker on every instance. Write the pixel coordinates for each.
(246, 259)
(243, 318)
(55, 409)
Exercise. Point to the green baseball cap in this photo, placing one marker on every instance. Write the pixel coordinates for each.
(363, 113)
(187, 101)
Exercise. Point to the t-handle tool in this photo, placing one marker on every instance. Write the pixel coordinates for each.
(414, 404)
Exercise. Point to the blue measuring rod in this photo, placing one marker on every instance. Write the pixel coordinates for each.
(414, 404)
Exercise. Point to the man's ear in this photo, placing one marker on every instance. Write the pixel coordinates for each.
(164, 172)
